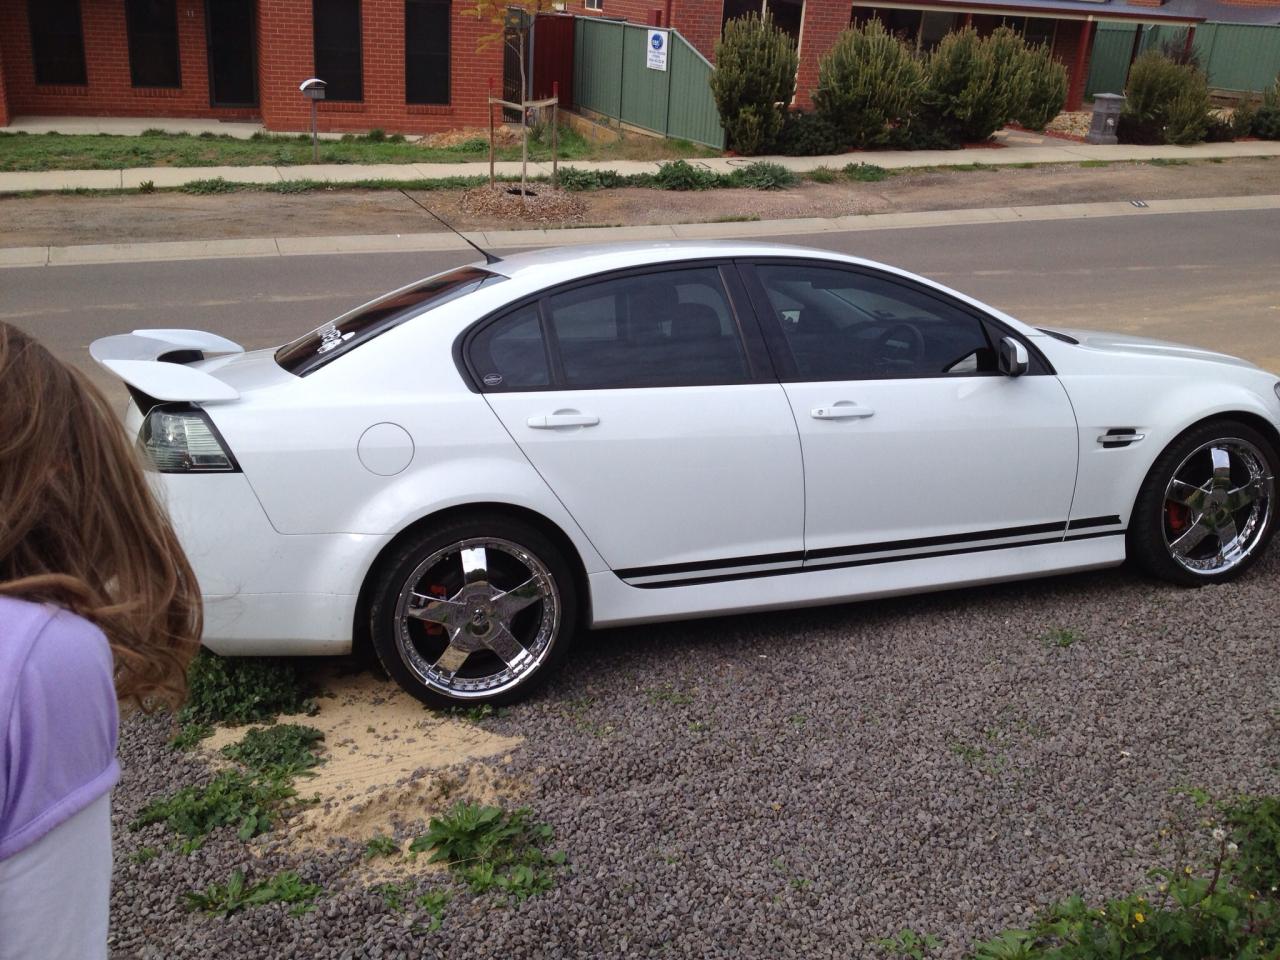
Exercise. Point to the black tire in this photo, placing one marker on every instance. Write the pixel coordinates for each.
(401, 641)
(1152, 524)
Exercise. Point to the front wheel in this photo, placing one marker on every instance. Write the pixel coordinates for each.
(1207, 508)
(476, 611)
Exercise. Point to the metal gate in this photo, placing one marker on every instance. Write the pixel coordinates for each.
(610, 76)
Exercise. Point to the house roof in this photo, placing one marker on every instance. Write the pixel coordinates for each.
(1172, 12)
(1220, 12)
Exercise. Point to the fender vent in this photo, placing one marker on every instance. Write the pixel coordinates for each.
(1120, 437)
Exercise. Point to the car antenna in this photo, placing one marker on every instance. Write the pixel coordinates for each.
(488, 257)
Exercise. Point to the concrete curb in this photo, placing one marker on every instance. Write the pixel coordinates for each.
(103, 253)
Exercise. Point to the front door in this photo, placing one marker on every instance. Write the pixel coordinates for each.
(634, 398)
(232, 53)
(914, 444)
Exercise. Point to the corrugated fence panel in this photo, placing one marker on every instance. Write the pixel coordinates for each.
(597, 61)
(1111, 48)
(645, 92)
(1236, 56)
(692, 114)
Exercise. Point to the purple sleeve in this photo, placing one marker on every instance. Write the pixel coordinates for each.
(58, 721)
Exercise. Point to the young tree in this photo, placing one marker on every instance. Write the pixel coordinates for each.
(754, 80)
(868, 81)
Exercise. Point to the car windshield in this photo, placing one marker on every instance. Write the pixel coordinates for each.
(328, 342)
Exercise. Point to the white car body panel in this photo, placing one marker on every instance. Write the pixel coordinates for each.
(719, 481)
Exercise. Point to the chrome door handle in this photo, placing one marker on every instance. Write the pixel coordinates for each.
(551, 421)
(842, 410)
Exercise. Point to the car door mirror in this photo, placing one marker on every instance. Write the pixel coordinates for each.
(1014, 360)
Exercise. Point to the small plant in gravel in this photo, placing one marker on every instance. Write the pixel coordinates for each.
(144, 855)
(682, 175)
(380, 845)
(670, 695)
(865, 172)
(237, 894)
(432, 903)
(211, 185)
(824, 175)
(239, 690)
(481, 711)
(248, 803)
(285, 749)
(190, 734)
(492, 849)
(394, 896)
(763, 176)
(1061, 637)
(908, 943)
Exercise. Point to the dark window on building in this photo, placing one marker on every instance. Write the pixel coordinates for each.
(1040, 30)
(903, 24)
(337, 48)
(426, 51)
(934, 26)
(787, 16)
(733, 9)
(153, 43)
(57, 43)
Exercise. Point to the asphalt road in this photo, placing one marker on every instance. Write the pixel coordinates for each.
(1209, 279)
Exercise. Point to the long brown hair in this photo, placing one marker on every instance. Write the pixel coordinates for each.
(80, 528)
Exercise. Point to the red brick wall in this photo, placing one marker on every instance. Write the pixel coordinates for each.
(110, 91)
(287, 59)
(1066, 48)
(4, 96)
(823, 23)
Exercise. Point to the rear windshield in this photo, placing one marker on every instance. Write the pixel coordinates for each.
(330, 341)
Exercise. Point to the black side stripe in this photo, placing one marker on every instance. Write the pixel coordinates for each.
(855, 551)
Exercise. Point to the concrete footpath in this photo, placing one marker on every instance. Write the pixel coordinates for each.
(1011, 150)
(105, 253)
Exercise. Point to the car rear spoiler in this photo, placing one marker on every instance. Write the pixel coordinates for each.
(154, 363)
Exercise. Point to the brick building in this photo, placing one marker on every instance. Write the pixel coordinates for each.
(1066, 25)
(401, 65)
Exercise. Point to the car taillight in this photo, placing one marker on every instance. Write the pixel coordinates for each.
(182, 439)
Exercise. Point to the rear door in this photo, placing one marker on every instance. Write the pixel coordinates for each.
(914, 444)
(653, 415)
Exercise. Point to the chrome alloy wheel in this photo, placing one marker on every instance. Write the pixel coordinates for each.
(1217, 506)
(476, 617)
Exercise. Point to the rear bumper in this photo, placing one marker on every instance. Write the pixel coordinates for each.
(266, 593)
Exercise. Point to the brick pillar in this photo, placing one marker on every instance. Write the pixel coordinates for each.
(822, 25)
(1079, 75)
(5, 116)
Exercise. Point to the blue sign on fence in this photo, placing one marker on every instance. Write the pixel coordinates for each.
(657, 58)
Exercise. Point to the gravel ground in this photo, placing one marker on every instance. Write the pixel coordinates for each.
(799, 784)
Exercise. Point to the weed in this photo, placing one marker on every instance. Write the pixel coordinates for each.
(147, 186)
(698, 726)
(481, 711)
(231, 798)
(971, 167)
(376, 135)
(492, 849)
(1167, 162)
(798, 719)
(154, 132)
(240, 690)
(393, 895)
(433, 903)
(966, 752)
(144, 855)
(865, 172)
(284, 749)
(907, 943)
(214, 185)
(1095, 163)
(190, 734)
(737, 218)
(380, 845)
(682, 175)
(670, 695)
(236, 894)
(762, 176)
(824, 175)
(1061, 637)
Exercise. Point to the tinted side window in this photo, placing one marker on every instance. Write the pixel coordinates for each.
(666, 329)
(843, 325)
(510, 354)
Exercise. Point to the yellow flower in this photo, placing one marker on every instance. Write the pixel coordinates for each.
(1187, 870)
(1139, 917)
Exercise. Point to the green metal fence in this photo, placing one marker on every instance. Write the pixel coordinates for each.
(1236, 56)
(610, 76)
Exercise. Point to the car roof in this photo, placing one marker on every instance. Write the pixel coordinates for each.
(556, 264)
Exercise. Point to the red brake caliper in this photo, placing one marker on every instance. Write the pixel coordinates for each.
(436, 590)
(1176, 515)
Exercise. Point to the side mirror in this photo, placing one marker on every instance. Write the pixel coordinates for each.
(1013, 358)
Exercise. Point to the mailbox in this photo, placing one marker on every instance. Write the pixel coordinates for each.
(1106, 114)
(313, 89)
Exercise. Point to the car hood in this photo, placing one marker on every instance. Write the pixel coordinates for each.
(1129, 345)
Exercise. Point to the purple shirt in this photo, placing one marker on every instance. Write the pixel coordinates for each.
(58, 720)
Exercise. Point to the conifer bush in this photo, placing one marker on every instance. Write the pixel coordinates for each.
(1166, 102)
(867, 83)
(1044, 90)
(962, 98)
(754, 80)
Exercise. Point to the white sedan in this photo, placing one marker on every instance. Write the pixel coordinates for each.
(466, 471)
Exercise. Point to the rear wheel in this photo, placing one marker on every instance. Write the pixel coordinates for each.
(478, 610)
(1207, 508)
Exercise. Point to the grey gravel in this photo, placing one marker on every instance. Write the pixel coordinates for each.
(799, 784)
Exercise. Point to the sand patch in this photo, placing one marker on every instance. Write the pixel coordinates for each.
(389, 763)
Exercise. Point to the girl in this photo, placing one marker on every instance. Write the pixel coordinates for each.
(97, 602)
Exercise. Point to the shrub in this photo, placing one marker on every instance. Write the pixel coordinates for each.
(763, 176)
(682, 175)
(824, 175)
(376, 135)
(866, 172)
(867, 82)
(808, 135)
(754, 80)
(1218, 129)
(1166, 102)
(213, 185)
(960, 97)
(1044, 91)
(147, 186)
(1242, 118)
(1266, 121)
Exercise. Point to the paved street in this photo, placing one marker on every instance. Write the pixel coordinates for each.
(1209, 279)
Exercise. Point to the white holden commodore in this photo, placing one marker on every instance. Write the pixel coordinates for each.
(466, 471)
